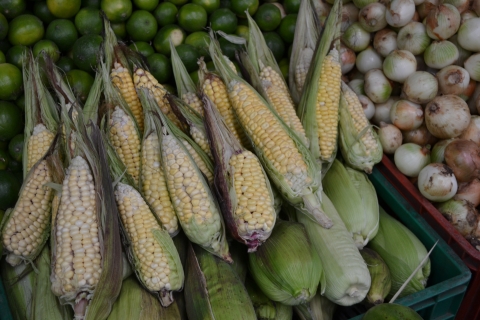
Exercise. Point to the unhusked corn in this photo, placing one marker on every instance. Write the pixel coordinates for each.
(38, 144)
(200, 138)
(198, 161)
(193, 101)
(138, 220)
(126, 141)
(122, 79)
(255, 209)
(78, 260)
(154, 185)
(301, 70)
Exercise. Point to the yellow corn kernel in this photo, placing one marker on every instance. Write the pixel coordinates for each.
(301, 69)
(193, 101)
(201, 139)
(38, 144)
(198, 161)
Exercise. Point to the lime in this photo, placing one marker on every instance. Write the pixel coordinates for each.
(148, 5)
(81, 82)
(210, 66)
(228, 48)
(3, 27)
(120, 29)
(11, 120)
(4, 159)
(243, 22)
(224, 20)
(64, 8)
(192, 17)
(3, 59)
(226, 4)
(85, 51)
(171, 89)
(284, 65)
(189, 56)
(117, 10)
(275, 43)
(12, 8)
(160, 67)
(89, 21)
(165, 13)
(15, 147)
(9, 188)
(91, 3)
(161, 42)
(4, 145)
(178, 2)
(63, 33)
(15, 167)
(40, 9)
(291, 6)
(142, 26)
(194, 77)
(240, 6)
(142, 47)
(208, 5)
(46, 46)
(287, 28)
(4, 45)
(200, 41)
(25, 30)
(20, 102)
(268, 17)
(16, 56)
(66, 64)
(10, 82)
(243, 31)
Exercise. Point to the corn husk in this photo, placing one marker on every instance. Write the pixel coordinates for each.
(346, 274)
(319, 308)
(286, 267)
(381, 279)
(240, 259)
(213, 289)
(355, 199)
(265, 308)
(403, 253)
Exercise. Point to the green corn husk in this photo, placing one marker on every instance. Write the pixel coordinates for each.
(355, 199)
(319, 308)
(213, 289)
(402, 252)
(181, 243)
(240, 259)
(265, 308)
(284, 312)
(135, 302)
(286, 267)
(381, 279)
(347, 276)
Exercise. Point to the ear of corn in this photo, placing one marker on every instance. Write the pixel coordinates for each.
(319, 308)
(358, 142)
(346, 274)
(240, 259)
(381, 279)
(265, 308)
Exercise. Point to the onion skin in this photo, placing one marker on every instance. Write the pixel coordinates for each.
(411, 158)
(438, 151)
(372, 17)
(468, 35)
(400, 12)
(420, 136)
(356, 38)
(349, 15)
(440, 54)
(385, 41)
(368, 59)
(406, 115)
(442, 22)
(463, 156)
(472, 132)
(377, 87)
(348, 58)
(447, 116)
(467, 94)
(390, 137)
(399, 64)
(453, 80)
(414, 38)
(472, 65)
(367, 105)
(437, 182)
(420, 87)
(382, 111)
(469, 191)
(357, 86)
(461, 214)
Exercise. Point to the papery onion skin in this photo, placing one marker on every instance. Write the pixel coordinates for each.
(468, 34)
(390, 137)
(411, 158)
(437, 182)
(367, 105)
(420, 87)
(440, 54)
(400, 12)
(442, 22)
(372, 17)
(406, 115)
(472, 65)
(349, 16)
(461, 214)
(462, 53)
(424, 8)
(413, 37)
(463, 156)
(356, 38)
(368, 59)
(468, 93)
(382, 111)
(447, 116)
(437, 155)
(348, 58)
(467, 15)
(385, 41)
(398, 65)
(472, 102)
(469, 191)
(377, 87)
(453, 80)
(420, 136)
(461, 5)
(472, 132)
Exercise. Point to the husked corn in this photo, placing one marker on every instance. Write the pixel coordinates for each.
(38, 144)
(198, 161)
(193, 101)
(301, 70)
(201, 139)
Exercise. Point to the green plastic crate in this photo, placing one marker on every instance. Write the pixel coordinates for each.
(449, 276)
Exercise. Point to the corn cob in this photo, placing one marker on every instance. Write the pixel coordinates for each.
(193, 101)
(199, 162)
(301, 69)
(200, 138)
(38, 144)
(122, 79)
(26, 230)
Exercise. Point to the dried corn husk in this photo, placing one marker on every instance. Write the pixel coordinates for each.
(319, 308)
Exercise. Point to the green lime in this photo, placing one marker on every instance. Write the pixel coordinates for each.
(117, 10)
(16, 56)
(142, 26)
(120, 29)
(194, 77)
(85, 52)
(208, 5)
(40, 9)
(91, 3)
(46, 46)
(210, 66)
(291, 6)
(284, 65)
(228, 48)
(178, 2)
(192, 17)
(243, 31)
(243, 22)
(200, 41)
(63, 33)
(12, 8)
(275, 43)
(15, 167)
(15, 147)
(9, 188)
(11, 120)
(20, 102)
(143, 48)
(3, 27)
(64, 8)
(189, 56)
(10, 82)
(148, 5)
(81, 82)
(240, 6)
(226, 4)
(89, 21)
(3, 145)
(5, 45)
(171, 89)
(4, 159)
(3, 59)
(224, 20)
(166, 13)
(25, 30)
(287, 28)
(173, 32)
(268, 17)
(66, 64)
(160, 67)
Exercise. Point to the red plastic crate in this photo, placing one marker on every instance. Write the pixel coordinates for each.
(470, 308)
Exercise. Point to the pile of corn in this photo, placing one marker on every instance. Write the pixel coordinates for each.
(209, 205)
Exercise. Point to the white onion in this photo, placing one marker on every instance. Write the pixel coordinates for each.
(420, 87)
(382, 111)
(462, 53)
(400, 12)
(468, 35)
(463, 156)
(362, 3)
(368, 59)
(447, 116)
(438, 151)
(472, 132)
(356, 38)
(367, 105)
(461, 5)
(406, 115)
(420, 136)
(390, 137)
(357, 85)
(453, 80)
(414, 38)
(399, 64)
(322, 9)
(385, 41)
(410, 159)
(442, 22)
(377, 86)
(440, 54)
(349, 15)
(467, 15)
(468, 92)
(472, 65)
(472, 102)
(424, 8)
(469, 191)
(437, 182)
(348, 58)
(372, 17)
